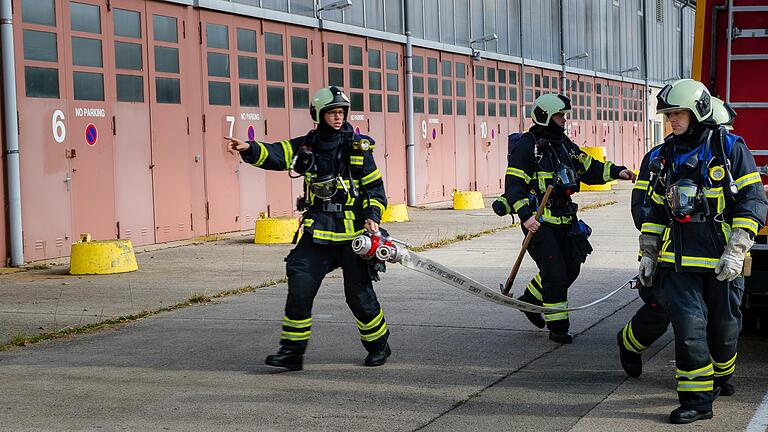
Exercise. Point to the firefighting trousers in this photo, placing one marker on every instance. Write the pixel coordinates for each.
(649, 323)
(706, 319)
(552, 249)
(306, 267)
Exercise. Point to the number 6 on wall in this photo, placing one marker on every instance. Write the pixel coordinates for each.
(57, 125)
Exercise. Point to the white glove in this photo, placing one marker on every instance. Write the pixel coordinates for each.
(732, 261)
(646, 271)
(649, 244)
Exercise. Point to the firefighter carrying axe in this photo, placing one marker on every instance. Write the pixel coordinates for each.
(511, 279)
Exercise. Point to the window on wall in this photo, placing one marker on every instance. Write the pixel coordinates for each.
(299, 73)
(275, 69)
(393, 81)
(479, 90)
(247, 68)
(418, 84)
(375, 81)
(166, 59)
(128, 56)
(217, 43)
(41, 75)
(87, 60)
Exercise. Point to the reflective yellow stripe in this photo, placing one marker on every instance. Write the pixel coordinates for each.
(727, 364)
(693, 386)
(519, 204)
(607, 171)
(373, 176)
(555, 316)
(543, 176)
(534, 291)
(707, 370)
(652, 228)
(297, 323)
(546, 216)
(629, 340)
(746, 223)
(658, 199)
(350, 200)
(689, 261)
(371, 324)
(641, 185)
(308, 222)
(587, 162)
(518, 173)
(503, 200)
(348, 214)
(295, 336)
(333, 236)
(356, 160)
(262, 155)
(747, 180)
(349, 227)
(373, 336)
(288, 151)
(376, 203)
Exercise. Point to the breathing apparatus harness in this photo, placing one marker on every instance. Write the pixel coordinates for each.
(564, 176)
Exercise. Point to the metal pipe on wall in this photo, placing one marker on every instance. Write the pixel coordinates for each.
(410, 146)
(11, 151)
(563, 79)
(646, 114)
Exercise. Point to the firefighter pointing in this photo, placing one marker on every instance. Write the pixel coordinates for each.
(343, 196)
(704, 203)
(541, 157)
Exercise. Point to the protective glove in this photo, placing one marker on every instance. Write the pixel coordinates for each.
(649, 244)
(732, 260)
(376, 266)
(500, 206)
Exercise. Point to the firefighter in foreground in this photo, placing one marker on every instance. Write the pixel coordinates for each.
(705, 205)
(651, 321)
(344, 195)
(540, 157)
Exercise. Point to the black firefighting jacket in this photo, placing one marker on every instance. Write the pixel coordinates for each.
(698, 245)
(346, 219)
(530, 169)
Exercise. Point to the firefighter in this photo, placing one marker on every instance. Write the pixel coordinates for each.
(541, 157)
(651, 321)
(705, 205)
(343, 196)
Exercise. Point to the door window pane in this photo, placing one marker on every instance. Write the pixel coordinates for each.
(418, 85)
(335, 53)
(502, 76)
(219, 93)
(393, 82)
(298, 47)
(491, 109)
(447, 68)
(374, 58)
(246, 40)
(479, 73)
(130, 88)
(461, 89)
(433, 103)
(247, 67)
(447, 107)
(89, 86)
(513, 77)
(480, 91)
(128, 56)
(513, 110)
(164, 29)
(460, 70)
(300, 97)
(374, 80)
(447, 88)
(480, 108)
(127, 23)
(392, 63)
(393, 103)
(273, 44)
(86, 52)
(356, 78)
(491, 91)
(40, 46)
(374, 102)
(41, 12)
(418, 105)
(336, 76)
(216, 36)
(300, 73)
(431, 66)
(432, 86)
(85, 17)
(168, 90)
(249, 95)
(356, 102)
(166, 59)
(461, 107)
(218, 64)
(355, 56)
(418, 64)
(491, 74)
(275, 97)
(275, 70)
(41, 82)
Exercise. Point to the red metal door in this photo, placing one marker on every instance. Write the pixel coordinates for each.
(176, 117)
(464, 136)
(420, 125)
(44, 131)
(589, 131)
(91, 125)
(605, 119)
(487, 148)
(394, 153)
(280, 201)
(374, 123)
(431, 130)
(132, 148)
(446, 144)
(219, 33)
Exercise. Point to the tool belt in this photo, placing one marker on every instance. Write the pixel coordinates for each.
(560, 206)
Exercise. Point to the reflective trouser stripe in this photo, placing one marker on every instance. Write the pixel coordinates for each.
(701, 372)
(374, 329)
(628, 338)
(726, 368)
(296, 330)
(557, 316)
(694, 386)
(534, 287)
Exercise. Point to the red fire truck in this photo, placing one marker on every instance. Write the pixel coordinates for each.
(731, 58)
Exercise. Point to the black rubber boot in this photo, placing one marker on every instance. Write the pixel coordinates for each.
(285, 358)
(726, 389)
(631, 362)
(563, 338)
(378, 357)
(683, 415)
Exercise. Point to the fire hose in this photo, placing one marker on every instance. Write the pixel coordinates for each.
(391, 250)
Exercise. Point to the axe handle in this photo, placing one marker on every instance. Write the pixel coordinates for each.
(528, 237)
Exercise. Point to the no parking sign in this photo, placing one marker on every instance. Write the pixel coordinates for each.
(91, 134)
(251, 133)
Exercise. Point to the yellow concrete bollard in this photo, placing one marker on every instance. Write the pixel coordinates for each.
(90, 257)
(470, 200)
(597, 153)
(395, 213)
(275, 230)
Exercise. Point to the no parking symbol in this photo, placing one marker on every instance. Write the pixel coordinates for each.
(251, 133)
(91, 134)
